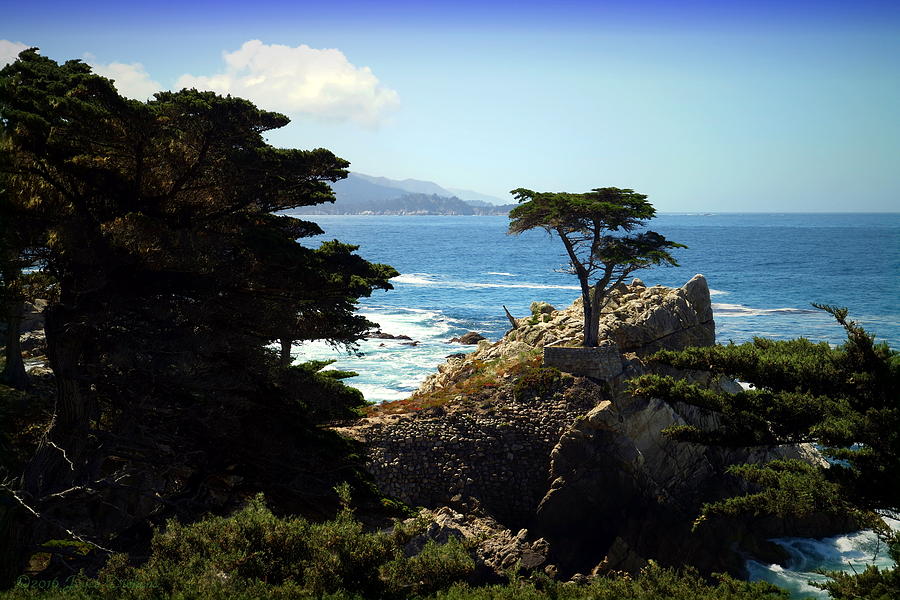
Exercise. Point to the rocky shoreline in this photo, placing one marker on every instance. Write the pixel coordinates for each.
(576, 460)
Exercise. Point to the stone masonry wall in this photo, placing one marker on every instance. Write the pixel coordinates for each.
(602, 362)
(501, 457)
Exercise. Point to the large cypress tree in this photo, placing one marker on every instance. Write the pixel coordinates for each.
(175, 277)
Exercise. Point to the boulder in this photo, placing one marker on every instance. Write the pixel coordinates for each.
(470, 338)
(661, 318)
(380, 335)
(542, 308)
(495, 548)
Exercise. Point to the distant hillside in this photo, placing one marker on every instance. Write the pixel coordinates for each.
(407, 204)
(358, 189)
(364, 194)
(476, 198)
(412, 186)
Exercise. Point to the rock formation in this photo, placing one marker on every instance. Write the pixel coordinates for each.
(496, 549)
(471, 338)
(576, 459)
(637, 318)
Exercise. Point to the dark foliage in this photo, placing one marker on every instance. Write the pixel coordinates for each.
(843, 399)
(173, 278)
(254, 554)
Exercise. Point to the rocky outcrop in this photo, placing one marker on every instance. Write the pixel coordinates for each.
(617, 484)
(637, 320)
(575, 459)
(497, 451)
(495, 549)
(380, 335)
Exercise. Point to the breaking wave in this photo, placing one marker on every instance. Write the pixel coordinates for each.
(739, 310)
(426, 279)
(851, 553)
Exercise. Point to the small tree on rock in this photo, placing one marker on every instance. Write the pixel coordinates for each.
(596, 229)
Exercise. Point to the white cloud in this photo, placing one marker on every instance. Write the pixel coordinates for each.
(131, 80)
(320, 83)
(9, 51)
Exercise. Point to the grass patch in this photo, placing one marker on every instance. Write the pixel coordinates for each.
(478, 382)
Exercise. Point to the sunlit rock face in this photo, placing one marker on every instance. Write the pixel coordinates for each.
(572, 456)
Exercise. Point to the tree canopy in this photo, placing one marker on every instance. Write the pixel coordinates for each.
(601, 232)
(844, 399)
(160, 222)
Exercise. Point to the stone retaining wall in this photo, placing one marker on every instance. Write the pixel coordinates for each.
(500, 457)
(603, 362)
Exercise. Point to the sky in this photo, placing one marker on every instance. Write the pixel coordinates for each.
(703, 106)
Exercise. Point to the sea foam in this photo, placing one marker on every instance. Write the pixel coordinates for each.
(722, 309)
(430, 280)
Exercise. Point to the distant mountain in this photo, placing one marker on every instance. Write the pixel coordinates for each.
(476, 198)
(406, 204)
(359, 189)
(417, 186)
(413, 186)
(365, 194)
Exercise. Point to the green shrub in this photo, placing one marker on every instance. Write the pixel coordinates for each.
(254, 554)
(653, 583)
(436, 567)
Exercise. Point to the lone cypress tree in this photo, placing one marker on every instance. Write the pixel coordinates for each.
(597, 229)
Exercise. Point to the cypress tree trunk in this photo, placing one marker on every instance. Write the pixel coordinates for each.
(590, 337)
(60, 460)
(596, 298)
(14, 370)
(286, 352)
(13, 548)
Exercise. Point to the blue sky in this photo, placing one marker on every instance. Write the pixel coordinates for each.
(704, 106)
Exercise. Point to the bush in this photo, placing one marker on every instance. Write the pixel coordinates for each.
(255, 554)
(436, 567)
(653, 583)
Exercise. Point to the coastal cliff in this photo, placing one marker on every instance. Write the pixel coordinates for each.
(572, 457)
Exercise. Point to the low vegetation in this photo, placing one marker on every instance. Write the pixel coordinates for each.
(256, 554)
(476, 382)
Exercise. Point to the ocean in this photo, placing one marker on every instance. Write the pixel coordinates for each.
(764, 271)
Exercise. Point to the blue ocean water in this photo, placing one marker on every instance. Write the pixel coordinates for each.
(764, 270)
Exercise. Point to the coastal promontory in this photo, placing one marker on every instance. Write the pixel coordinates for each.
(565, 455)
